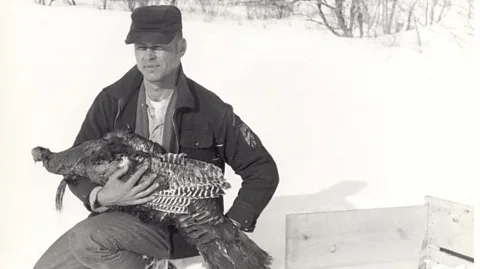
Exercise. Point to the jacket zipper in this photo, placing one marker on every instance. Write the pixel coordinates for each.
(119, 108)
(175, 131)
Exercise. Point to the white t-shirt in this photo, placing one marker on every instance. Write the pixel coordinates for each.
(156, 116)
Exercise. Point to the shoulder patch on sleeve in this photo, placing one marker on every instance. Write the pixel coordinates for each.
(248, 135)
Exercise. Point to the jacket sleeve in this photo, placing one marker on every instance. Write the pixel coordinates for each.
(96, 124)
(249, 159)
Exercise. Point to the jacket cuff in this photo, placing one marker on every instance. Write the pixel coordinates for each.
(94, 206)
(243, 214)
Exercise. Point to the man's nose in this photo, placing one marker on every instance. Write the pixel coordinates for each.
(150, 53)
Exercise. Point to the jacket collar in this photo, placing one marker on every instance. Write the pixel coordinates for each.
(184, 95)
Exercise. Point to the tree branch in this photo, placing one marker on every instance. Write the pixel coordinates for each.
(323, 3)
(324, 18)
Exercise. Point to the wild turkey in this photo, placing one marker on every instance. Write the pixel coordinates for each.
(185, 186)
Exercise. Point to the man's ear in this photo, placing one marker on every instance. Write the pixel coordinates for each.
(182, 46)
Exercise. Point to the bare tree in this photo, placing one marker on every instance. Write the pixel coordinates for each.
(320, 5)
(265, 9)
(390, 17)
(418, 35)
(104, 4)
(338, 10)
(446, 4)
(470, 9)
(410, 15)
(70, 2)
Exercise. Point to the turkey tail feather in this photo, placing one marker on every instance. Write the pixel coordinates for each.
(237, 250)
(59, 195)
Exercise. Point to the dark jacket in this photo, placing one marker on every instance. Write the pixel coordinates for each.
(199, 124)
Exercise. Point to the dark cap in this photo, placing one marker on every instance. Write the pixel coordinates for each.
(154, 24)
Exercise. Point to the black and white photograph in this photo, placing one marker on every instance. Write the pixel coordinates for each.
(239, 134)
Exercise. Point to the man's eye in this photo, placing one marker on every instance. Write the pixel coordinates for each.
(156, 48)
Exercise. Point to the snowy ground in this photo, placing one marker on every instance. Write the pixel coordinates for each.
(351, 123)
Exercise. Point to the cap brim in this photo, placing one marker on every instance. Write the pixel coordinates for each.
(149, 38)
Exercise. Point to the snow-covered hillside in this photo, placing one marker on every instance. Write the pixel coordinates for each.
(351, 123)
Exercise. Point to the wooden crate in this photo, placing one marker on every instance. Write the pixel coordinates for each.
(437, 233)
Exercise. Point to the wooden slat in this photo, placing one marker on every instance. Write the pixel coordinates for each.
(355, 237)
(448, 261)
(450, 226)
(396, 265)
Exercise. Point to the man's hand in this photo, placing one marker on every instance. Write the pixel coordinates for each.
(120, 193)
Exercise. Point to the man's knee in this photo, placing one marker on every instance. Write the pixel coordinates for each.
(94, 231)
(84, 238)
(107, 233)
(59, 255)
(93, 239)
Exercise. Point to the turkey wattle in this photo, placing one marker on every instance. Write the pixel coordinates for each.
(185, 186)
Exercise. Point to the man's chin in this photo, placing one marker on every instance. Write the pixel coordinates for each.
(152, 78)
(155, 75)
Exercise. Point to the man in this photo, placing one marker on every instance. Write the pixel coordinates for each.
(158, 101)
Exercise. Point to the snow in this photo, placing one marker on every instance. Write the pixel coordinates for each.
(351, 123)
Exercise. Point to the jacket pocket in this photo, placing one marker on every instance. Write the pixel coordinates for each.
(197, 139)
(198, 144)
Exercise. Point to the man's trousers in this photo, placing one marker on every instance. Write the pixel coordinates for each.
(106, 241)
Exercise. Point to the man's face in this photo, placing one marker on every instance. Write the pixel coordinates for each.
(157, 61)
